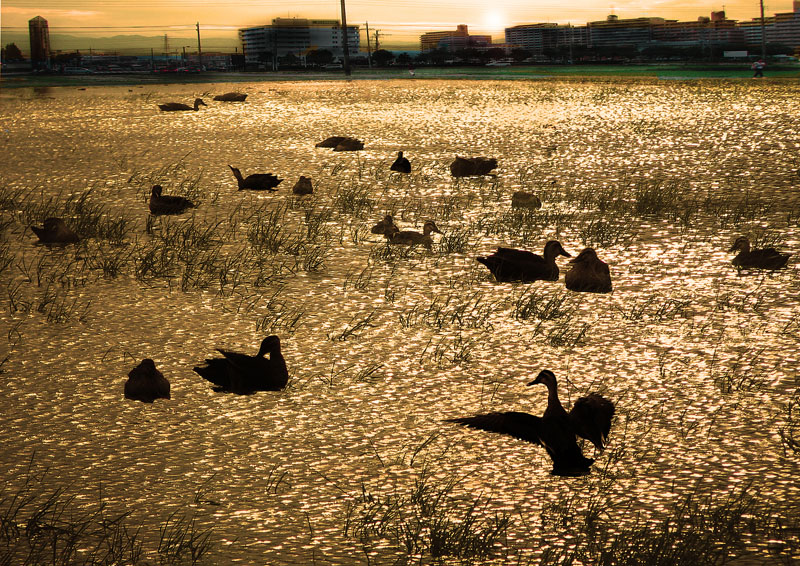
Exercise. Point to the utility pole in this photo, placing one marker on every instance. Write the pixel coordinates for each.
(152, 60)
(763, 34)
(199, 51)
(369, 51)
(344, 42)
(377, 43)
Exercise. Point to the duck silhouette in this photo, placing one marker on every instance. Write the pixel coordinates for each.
(244, 374)
(412, 237)
(256, 181)
(508, 264)
(55, 231)
(177, 106)
(341, 143)
(556, 430)
(303, 186)
(231, 97)
(472, 166)
(386, 224)
(588, 273)
(145, 383)
(401, 164)
(765, 258)
(521, 199)
(167, 204)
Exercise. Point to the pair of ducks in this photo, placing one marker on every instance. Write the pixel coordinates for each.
(394, 235)
(268, 182)
(234, 373)
(198, 102)
(588, 272)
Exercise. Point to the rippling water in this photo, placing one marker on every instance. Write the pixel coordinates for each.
(382, 345)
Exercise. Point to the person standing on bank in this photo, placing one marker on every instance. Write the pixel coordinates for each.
(758, 68)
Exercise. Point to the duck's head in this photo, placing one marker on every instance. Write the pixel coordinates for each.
(54, 224)
(146, 367)
(587, 255)
(554, 248)
(199, 102)
(399, 154)
(156, 191)
(430, 226)
(269, 344)
(545, 377)
(741, 243)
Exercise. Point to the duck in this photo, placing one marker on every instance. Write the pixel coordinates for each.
(522, 199)
(256, 181)
(167, 204)
(145, 383)
(386, 224)
(244, 374)
(411, 237)
(341, 143)
(765, 258)
(401, 164)
(175, 106)
(508, 264)
(303, 186)
(588, 273)
(55, 231)
(472, 166)
(557, 429)
(231, 97)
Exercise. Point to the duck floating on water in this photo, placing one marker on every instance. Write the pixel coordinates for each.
(522, 199)
(387, 224)
(588, 274)
(145, 383)
(231, 97)
(167, 204)
(401, 164)
(508, 264)
(176, 106)
(412, 237)
(256, 181)
(472, 166)
(244, 374)
(303, 186)
(341, 143)
(765, 258)
(556, 430)
(55, 231)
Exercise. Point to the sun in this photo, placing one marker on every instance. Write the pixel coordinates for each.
(494, 20)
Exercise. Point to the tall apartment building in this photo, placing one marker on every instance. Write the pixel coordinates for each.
(538, 37)
(453, 40)
(781, 28)
(297, 36)
(714, 30)
(39, 35)
(614, 32)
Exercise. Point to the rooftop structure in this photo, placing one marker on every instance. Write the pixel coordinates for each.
(298, 37)
(454, 40)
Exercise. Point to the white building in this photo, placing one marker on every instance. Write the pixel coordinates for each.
(296, 36)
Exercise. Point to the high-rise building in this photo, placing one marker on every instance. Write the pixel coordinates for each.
(783, 28)
(538, 37)
(297, 36)
(453, 40)
(39, 34)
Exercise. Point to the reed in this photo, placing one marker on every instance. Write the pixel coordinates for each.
(543, 306)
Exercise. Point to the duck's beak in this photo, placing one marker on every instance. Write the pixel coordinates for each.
(564, 253)
(535, 381)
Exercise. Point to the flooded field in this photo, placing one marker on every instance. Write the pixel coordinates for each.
(353, 462)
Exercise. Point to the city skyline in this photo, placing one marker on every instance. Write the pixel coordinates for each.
(400, 28)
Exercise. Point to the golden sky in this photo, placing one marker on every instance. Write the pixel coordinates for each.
(399, 21)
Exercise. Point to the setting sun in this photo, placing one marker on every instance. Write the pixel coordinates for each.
(494, 20)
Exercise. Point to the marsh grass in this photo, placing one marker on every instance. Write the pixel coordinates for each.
(44, 525)
(448, 351)
(427, 520)
(453, 309)
(790, 431)
(599, 233)
(744, 372)
(354, 328)
(543, 306)
(655, 308)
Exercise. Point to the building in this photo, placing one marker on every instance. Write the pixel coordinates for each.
(716, 30)
(39, 34)
(296, 36)
(781, 28)
(536, 38)
(631, 32)
(451, 41)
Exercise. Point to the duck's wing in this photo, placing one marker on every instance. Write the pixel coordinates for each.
(591, 418)
(522, 256)
(519, 425)
(217, 371)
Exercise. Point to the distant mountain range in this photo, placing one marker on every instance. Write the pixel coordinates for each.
(127, 44)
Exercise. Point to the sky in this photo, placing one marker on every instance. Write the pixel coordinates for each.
(400, 22)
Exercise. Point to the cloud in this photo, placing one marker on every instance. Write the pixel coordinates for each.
(52, 13)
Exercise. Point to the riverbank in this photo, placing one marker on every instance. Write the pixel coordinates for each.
(676, 72)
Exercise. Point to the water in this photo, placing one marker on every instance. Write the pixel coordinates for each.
(700, 360)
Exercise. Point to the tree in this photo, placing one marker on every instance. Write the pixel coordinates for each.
(382, 58)
(403, 59)
(11, 53)
(496, 53)
(520, 55)
(319, 57)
